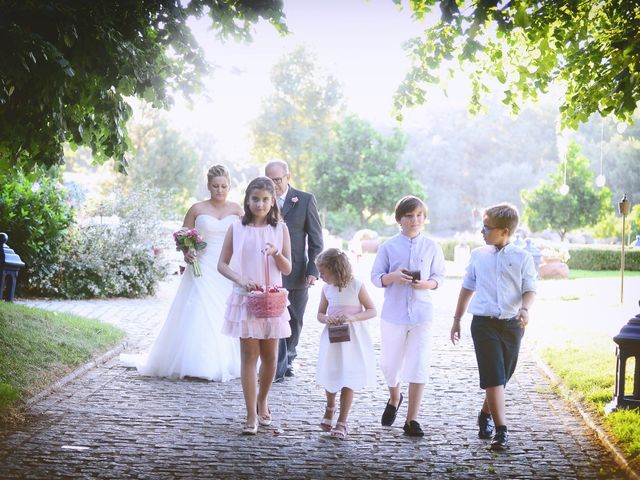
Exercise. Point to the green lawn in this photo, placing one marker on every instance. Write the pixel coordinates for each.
(38, 347)
(587, 368)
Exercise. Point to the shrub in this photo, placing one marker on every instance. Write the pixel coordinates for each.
(344, 223)
(100, 262)
(610, 226)
(602, 258)
(114, 260)
(35, 215)
(449, 247)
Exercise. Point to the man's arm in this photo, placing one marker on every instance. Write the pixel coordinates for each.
(313, 229)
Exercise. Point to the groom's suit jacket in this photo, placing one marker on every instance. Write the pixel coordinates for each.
(300, 213)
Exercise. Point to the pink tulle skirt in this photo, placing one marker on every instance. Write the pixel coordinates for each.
(238, 322)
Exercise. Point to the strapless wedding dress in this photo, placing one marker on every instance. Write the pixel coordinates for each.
(190, 342)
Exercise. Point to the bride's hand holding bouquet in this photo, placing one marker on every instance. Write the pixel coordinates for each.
(188, 240)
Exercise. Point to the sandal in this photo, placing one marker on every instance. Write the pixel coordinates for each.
(327, 422)
(250, 429)
(265, 420)
(339, 431)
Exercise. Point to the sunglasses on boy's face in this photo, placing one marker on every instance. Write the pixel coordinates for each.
(487, 228)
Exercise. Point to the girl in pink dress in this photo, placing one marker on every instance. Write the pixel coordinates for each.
(349, 365)
(259, 236)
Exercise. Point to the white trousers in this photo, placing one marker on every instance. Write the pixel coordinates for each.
(406, 352)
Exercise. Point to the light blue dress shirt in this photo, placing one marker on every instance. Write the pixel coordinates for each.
(402, 303)
(499, 278)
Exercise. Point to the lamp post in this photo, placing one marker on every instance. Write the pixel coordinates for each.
(624, 206)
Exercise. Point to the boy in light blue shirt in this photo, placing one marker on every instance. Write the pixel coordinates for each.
(408, 266)
(498, 288)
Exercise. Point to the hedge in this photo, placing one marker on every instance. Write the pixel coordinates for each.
(603, 258)
(582, 257)
(449, 247)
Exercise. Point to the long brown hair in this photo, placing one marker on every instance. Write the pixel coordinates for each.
(266, 184)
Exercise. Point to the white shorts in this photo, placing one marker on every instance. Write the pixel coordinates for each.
(406, 352)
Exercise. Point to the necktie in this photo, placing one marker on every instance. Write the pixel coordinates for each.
(280, 203)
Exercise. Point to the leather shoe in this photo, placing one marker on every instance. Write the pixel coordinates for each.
(289, 372)
(500, 440)
(413, 429)
(390, 412)
(485, 425)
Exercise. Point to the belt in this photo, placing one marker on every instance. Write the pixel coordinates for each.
(485, 317)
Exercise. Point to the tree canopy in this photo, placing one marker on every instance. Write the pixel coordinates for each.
(581, 206)
(67, 68)
(359, 171)
(296, 119)
(592, 49)
(468, 163)
(162, 159)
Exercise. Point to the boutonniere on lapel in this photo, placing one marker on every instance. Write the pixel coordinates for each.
(294, 200)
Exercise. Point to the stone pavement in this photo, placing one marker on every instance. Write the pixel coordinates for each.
(112, 423)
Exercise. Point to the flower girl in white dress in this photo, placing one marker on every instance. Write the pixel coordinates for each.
(349, 365)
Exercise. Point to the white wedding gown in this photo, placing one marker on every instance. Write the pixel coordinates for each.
(190, 342)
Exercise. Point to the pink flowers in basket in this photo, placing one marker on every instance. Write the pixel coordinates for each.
(189, 239)
(267, 302)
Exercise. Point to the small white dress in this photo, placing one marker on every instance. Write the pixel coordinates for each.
(349, 364)
(190, 342)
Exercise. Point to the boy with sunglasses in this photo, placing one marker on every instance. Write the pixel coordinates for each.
(498, 288)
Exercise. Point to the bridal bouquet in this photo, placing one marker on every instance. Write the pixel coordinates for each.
(190, 239)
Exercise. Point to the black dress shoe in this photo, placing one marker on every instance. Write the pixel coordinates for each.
(390, 412)
(485, 426)
(289, 372)
(413, 429)
(500, 440)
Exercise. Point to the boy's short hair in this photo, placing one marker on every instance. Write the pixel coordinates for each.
(504, 215)
(408, 204)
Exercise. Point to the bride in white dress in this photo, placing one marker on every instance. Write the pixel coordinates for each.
(190, 342)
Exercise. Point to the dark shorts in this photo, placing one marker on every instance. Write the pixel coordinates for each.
(497, 344)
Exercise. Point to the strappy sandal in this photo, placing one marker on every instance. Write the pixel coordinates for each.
(250, 429)
(327, 422)
(339, 431)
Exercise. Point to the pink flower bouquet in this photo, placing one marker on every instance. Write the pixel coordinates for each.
(189, 239)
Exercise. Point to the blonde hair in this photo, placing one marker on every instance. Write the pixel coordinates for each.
(218, 171)
(504, 215)
(336, 262)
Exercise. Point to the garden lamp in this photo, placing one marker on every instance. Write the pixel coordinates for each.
(624, 207)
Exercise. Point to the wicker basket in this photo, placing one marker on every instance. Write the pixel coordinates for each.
(267, 304)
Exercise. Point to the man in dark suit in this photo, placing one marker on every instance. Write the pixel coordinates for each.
(300, 213)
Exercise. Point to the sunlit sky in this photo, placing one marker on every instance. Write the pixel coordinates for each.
(359, 42)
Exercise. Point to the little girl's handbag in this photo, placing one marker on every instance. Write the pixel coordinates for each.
(339, 333)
